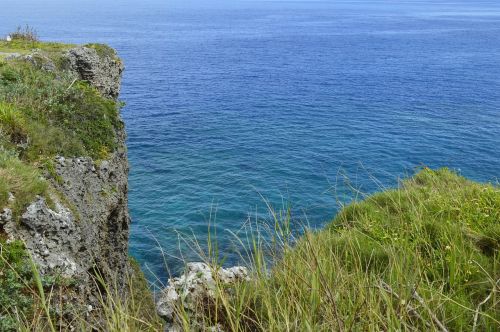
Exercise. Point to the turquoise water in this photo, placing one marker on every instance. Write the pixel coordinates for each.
(230, 102)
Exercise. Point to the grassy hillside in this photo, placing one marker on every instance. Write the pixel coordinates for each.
(421, 257)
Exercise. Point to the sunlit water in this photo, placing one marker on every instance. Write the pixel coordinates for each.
(231, 102)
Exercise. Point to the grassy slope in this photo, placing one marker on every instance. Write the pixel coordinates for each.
(423, 256)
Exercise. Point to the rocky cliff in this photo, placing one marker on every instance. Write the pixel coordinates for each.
(79, 229)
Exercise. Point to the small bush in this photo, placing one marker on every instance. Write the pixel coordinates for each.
(102, 50)
(27, 34)
(13, 123)
(55, 115)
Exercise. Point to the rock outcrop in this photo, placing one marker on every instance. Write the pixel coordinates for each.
(103, 71)
(193, 288)
(51, 236)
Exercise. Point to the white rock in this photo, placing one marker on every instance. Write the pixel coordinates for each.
(196, 284)
(5, 215)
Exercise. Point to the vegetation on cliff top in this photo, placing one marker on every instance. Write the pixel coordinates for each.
(21, 46)
(421, 257)
(44, 112)
(25, 39)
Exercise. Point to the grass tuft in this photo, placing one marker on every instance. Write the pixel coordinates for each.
(102, 50)
(21, 180)
(26, 33)
(14, 270)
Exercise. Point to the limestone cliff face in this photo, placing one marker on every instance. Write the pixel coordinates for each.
(84, 230)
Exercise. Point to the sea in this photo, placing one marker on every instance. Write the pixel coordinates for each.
(235, 109)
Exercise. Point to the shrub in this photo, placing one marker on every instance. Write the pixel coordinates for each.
(55, 115)
(102, 50)
(13, 123)
(27, 34)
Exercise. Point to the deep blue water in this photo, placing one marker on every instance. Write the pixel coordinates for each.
(230, 102)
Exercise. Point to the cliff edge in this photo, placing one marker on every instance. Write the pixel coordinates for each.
(63, 164)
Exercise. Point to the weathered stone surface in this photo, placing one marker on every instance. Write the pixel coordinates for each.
(5, 216)
(52, 238)
(196, 285)
(103, 72)
(98, 194)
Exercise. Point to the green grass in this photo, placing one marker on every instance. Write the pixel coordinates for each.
(26, 46)
(141, 302)
(44, 114)
(15, 271)
(22, 180)
(102, 50)
(55, 115)
(421, 257)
